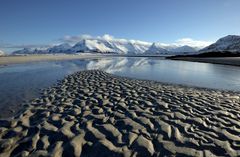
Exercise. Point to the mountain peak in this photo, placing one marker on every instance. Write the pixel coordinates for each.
(229, 38)
(229, 43)
(185, 49)
(62, 48)
(156, 48)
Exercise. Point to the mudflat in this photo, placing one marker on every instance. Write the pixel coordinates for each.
(93, 113)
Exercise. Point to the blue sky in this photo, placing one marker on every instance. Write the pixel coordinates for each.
(32, 22)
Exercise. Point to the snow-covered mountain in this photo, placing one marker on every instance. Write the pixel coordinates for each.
(184, 50)
(26, 51)
(157, 49)
(93, 45)
(1, 53)
(62, 48)
(88, 45)
(230, 43)
(112, 45)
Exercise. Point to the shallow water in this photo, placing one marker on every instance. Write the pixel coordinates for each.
(22, 82)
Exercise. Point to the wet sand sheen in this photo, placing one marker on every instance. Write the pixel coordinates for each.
(93, 113)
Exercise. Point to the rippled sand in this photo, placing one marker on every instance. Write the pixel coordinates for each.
(93, 113)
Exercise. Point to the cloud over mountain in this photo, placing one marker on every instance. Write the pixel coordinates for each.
(75, 39)
(179, 42)
(192, 42)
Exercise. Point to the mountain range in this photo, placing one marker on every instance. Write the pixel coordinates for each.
(157, 48)
(126, 47)
(229, 44)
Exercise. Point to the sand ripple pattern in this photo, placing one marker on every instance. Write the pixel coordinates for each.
(93, 113)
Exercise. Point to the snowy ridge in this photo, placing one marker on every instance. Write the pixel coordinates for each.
(184, 49)
(25, 51)
(156, 48)
(230, 43)
(62, 48)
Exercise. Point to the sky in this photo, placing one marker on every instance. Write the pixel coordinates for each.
(43, 22)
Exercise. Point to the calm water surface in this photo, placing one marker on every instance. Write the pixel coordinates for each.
(22, 82)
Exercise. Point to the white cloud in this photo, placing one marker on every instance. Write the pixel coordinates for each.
(107, 37)
(75, 39)
(192, 42)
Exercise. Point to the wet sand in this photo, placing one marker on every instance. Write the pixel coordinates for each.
(235, 61)
(93, 113)
(6, 60)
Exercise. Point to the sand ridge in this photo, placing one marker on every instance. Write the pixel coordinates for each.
(93, 113)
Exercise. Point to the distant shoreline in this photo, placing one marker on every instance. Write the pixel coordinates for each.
(234, 61)
(220, 57)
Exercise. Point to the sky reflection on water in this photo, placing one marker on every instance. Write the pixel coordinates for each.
(22, 82)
